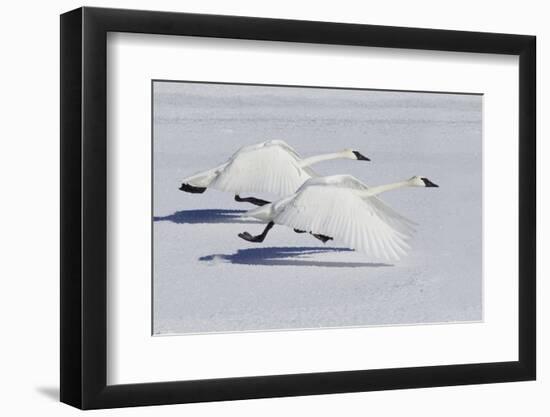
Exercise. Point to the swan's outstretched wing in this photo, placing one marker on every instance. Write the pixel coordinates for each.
(364, 224)
(392, 217)
(263, 168)
(387, 214)
(283, 145)
(291, 151)
(340, 181)
(205, 178)
(254, 147)
(247, 148)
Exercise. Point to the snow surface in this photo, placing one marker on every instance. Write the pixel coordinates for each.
(207, 279)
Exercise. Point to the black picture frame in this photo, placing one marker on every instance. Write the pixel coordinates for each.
(84, 207)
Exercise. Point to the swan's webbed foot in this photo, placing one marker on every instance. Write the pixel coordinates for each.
(322, 238)
(258, 238)
(192, 189)
(252, 200)
(250, 238)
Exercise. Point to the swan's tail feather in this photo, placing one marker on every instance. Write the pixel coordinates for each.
(192, 189)
(198, 183)
(263, 213)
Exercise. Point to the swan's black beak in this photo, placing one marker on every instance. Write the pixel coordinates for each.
(191, 189)
(360, 157)
(428, 183)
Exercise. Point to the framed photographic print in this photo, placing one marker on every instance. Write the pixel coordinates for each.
(258, 207)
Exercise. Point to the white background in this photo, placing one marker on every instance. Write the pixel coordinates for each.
(29, 232)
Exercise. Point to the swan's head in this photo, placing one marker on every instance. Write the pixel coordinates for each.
(418, 181)
(351, 154)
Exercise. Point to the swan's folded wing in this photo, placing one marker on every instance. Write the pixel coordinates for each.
(340, 213)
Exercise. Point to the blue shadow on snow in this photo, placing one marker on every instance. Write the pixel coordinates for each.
(277, 256)
(205, 216)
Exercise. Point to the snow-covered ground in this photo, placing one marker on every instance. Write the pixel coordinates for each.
(206, 279)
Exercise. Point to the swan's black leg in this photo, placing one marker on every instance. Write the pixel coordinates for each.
(299, 231)
(192, 189)
(252, 200)
(322, 238)
(258, 238)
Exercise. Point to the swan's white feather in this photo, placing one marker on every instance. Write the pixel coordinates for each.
(333, 206)
(270, 167)
(204, 178)
(388, 214)
(341, 181)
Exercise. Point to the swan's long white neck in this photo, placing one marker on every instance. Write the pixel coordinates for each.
(388, 187)
(324, 157)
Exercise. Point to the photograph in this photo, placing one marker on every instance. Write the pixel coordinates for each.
(301, 207)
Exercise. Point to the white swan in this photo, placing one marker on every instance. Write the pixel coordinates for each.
(268, 167)
(343, 208)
